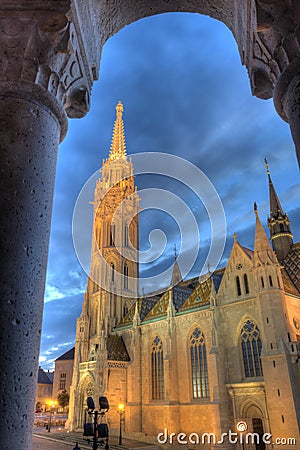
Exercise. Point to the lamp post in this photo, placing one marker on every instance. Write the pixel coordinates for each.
(121, 411)
(52, 404)
(241, 428)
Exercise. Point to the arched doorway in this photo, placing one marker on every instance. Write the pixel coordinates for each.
(257, 424)
(258, 428)
(86, 389)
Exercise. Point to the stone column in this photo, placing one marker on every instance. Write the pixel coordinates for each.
(41, 76)
(287, 101)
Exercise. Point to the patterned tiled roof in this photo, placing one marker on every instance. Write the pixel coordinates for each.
(288, 285)
(292, 265)
(160, 308)
(199, 297)
(145, 304)
(116, 350)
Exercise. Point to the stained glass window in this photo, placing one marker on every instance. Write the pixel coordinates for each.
(157, 369)
(251, 349)
(200, 383)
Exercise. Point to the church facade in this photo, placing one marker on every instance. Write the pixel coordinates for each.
(205, 354)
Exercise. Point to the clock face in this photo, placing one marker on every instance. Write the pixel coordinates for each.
(239, 266)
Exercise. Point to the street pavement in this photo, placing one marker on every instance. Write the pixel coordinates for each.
(45, 444)
(59, 439)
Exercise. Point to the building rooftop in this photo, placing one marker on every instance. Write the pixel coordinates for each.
(68, 355)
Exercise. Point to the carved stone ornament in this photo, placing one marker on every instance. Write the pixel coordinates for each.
(41, 53)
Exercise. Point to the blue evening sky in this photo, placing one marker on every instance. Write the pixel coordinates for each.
(184, 92)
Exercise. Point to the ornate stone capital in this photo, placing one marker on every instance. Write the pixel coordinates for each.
(272, 56)
(41, 47)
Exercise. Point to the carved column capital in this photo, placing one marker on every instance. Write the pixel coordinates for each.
(41, 54)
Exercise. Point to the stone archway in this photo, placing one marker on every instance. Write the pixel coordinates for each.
(86, 389)
(49, 58)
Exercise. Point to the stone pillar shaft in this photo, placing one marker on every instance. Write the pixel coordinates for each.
(43, 73)
(29, 137)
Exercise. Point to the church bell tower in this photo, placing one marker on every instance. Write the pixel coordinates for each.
(278, 223)
(113, 280)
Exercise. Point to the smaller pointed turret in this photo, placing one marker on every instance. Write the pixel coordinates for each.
(176, 275)
(278, 223)
(118, 146)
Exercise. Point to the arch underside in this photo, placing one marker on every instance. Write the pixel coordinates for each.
(113, 16)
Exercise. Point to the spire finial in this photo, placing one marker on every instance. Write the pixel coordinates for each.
(234, 236)
(267, 165)
(143, 291)
(255, 208)
(118, 146)
(175, 252)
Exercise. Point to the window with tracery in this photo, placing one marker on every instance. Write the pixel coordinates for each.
(251, 349)
(157, 369)
(200, 384)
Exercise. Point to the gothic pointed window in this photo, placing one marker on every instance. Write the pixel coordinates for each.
(157, 369)
(251, 349)
(200, 384)
(125, 273)
(246, 284)
(112, 234)
(238, 286)
(112, 272)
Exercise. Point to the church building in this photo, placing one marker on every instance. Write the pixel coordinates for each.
(205, 354)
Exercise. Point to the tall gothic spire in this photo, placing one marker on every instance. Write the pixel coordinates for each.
(275, 206)
(118, 146)
(278, 223)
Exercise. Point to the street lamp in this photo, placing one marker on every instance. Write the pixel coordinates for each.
(52, 404)
(121, 411)
(241, 428)
(93, 428)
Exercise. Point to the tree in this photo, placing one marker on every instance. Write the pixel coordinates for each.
(63, 398)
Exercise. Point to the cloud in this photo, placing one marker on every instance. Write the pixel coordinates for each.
(184, 92)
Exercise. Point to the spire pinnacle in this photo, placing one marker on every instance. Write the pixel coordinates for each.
(118, 146)
(267, 166)
(262, 249)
